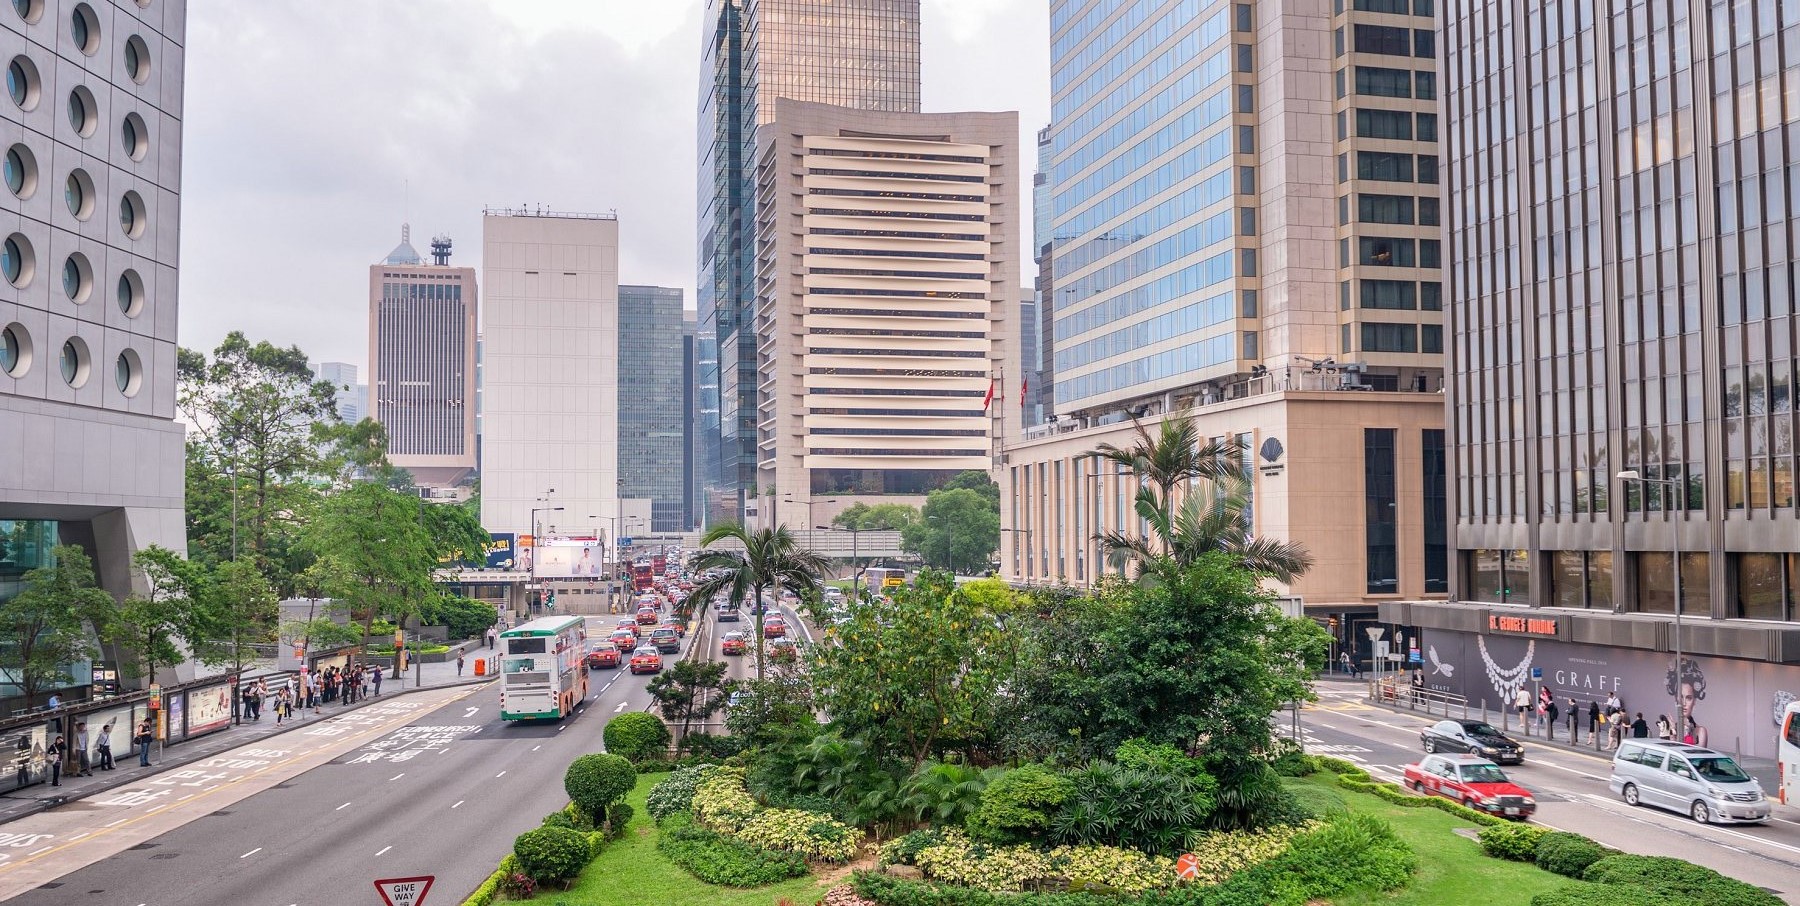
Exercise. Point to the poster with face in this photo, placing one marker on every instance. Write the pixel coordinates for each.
(209, 708)
(1729, 705)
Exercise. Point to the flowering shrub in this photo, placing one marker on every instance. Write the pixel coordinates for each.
(675, 793)
(1112, 868)
(955, 859)
(903, 850)
(815, 836)
(720, 801)
(1223, 853)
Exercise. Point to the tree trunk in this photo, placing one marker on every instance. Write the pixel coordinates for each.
(756, 609)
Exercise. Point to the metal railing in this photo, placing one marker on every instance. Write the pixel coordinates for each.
(1394, 693)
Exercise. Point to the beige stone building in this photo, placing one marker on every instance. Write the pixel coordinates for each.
(422, 361)
(886, 285)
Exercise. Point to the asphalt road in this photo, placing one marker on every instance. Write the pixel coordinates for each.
(1572, 794)
(439, 791)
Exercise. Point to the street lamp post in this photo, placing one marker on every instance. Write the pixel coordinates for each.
(1675, 487)
(535, 534)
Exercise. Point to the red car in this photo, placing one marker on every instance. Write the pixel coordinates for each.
(628, 625)
(647, 616)
(782, 651)
(646, 660)
(774, 627)
(603, 656)
(625, 640)
(735, 643)
(1473, 781)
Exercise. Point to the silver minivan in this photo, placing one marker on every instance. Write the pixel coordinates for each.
(1707, 785)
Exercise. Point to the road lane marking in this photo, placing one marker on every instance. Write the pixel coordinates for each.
(499, 775)
(396, 776)
(251, 853)
(120, 821)
(35, 852)
(471, 712)
(384, 849)
(341, 807)
(621, 707)
(535, 748)
(458, 803)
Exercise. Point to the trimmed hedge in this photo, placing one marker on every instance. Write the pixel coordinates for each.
(596, 781)
(1512, 842)
(484, 895)
(1355, 778)
(674, 794)
(1677, 877)
(552, 853)
(717, 859)
(638, 736)
(1610, 895)
(1568, 854)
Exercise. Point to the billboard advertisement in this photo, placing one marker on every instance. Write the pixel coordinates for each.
(208, 709)
(567, 558)
(1733, 706)
(502, 550)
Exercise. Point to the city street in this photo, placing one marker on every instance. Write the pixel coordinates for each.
(1571, 792)
(432, 783)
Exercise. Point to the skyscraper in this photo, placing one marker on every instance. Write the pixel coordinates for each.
(1243, 228)
(652, 401)
(422, 361)
(352, 395)
(90, 452)
(1623, 301)
(1043, 380)
(887, 281)
(550, 372)
(860, 54)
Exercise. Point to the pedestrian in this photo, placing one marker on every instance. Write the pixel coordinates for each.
(1418, 687)
(459, 665)
(281, 696)
(56, 753)
(1344, 663)
(54, 702)
(103, 746)
(318, 692)
(490, 637)
(1640, 729)
(1573, 718)
(1522, 703)
(1593, 718)
(376, 672)
(142, 738)
(1613, 706)
(81, 749)
(1550, 726)
(1691, 735)
(1664, 729)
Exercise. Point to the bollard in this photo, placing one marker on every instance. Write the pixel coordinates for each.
(481, 666)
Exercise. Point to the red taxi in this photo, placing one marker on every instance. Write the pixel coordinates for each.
(603, 656)
(1473, 781)
(646, 660)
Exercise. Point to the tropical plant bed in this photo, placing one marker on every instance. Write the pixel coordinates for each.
(632, 872)
(1452, 867)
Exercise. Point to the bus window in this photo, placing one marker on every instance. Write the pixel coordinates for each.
(525, 646)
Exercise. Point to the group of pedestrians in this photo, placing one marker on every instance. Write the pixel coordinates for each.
(348, 684)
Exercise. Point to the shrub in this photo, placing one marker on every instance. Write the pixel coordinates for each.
(594, 782)
(889, 891)
(718, 859)
(708, 745)
(1513, 842)
(484, 895)
(1611, 895)
(1111, 868)
(958, 860)
(815, 836)
(551, 853)
(1148, 808)
(720, 801)
(903, 850)
(1567, 854)
(618, 815)
(565, 819)
(1224, 853)
(1348, 852)
(1676, 877)
(637, 736)
(1317, 801)
(518, 885)
(1019, 805)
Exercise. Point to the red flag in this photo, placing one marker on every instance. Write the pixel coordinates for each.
(1022, 382)
(988, 400)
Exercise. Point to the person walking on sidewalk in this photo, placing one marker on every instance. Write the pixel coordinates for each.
(281, 705)
(103, 746)
(142, 738)
(375, 672)
(1664, 729)
(459, 665)
(1522, 704)
(1550, 725)
(1593, 719)
(58, 751)
(1640, 729)
(1574, 716)
(81, 749)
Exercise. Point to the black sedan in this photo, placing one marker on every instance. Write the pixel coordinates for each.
(1472, 736)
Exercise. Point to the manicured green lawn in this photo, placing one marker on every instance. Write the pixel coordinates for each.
(1452, 868)
(630, 872)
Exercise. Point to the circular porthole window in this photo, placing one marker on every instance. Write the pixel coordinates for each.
(77, 278)
(83, 112)
(74, 362)
(131, 293)
(134, 136)
(21, 171)
(29, 10)
(16, 260)
(15, 350)
(22, 83)
(137, 59)
(78, 193)
(84, 29)
(131, 214)
(128, 373)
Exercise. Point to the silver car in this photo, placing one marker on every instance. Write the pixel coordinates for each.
(1707, 785)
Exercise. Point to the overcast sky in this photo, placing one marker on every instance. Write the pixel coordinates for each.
(306, 123)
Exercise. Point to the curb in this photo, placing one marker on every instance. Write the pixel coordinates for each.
(39, 806)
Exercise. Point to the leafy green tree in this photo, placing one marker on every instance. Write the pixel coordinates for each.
(978, 481)
(637, 736)
(464, 618)
(689, 691)
(45, 627)
(236, 615)
(380, 553)
(944, 793)
(773, 711)
(959, 529)
(920, 672)
(148, 628)
(880, 517)
(1020, 805)
(255, 415)
(760, 562)
(595, 782)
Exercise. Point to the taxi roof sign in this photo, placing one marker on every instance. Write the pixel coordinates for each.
(405, 891)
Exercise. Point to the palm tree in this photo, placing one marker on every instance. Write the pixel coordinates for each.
(1185, 528)
(770, 561)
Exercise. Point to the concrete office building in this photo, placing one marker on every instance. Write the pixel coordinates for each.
(1029, 364)
(652, 432)
(1623, 300)
(887, 280)
(90, 452)
(422, 361)
(1042, 390)
(1244, 226)
(858, 54)
(690, 422)
(550, 373)
(352, 396)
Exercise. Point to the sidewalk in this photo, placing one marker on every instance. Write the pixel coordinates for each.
(1763, 769)
(42, 797)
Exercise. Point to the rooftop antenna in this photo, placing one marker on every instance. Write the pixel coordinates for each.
(440, 250)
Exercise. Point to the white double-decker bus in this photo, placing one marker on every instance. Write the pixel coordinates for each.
(542, 675)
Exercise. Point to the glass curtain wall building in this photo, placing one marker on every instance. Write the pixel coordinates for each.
(860, 54)
(652, 401)
(1624, 301)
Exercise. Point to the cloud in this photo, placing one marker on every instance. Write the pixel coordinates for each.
(309, 138)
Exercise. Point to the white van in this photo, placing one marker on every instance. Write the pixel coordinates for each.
(1706, 785)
